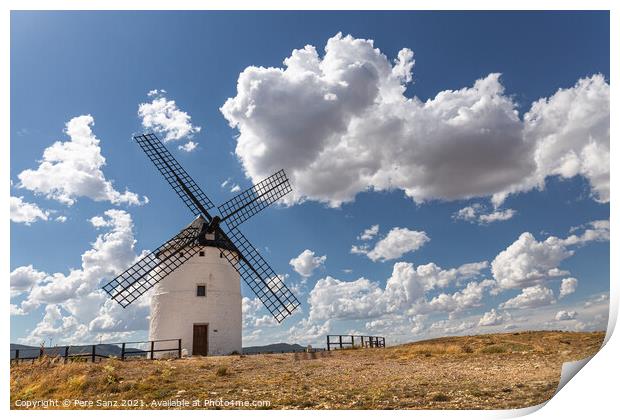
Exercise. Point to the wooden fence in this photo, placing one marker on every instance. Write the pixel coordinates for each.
(351, 341)
(90, 353)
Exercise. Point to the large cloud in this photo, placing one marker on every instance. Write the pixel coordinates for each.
(73, 169)
(76, 309)
(405, 292)
(571, 132)
(341, 124)
(528, 262)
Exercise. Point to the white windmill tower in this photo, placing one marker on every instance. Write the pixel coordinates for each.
(200, 302)
(196, 275)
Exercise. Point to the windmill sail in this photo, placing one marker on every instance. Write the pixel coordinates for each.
(239, 252)
(245, 205)
(259, 275)
(174, 173)
(143, 275)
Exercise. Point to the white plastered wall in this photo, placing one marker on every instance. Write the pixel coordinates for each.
(175, 308)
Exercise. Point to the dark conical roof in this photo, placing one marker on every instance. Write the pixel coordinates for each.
(216, 239)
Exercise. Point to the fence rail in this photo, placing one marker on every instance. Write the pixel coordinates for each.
(94, 352)
(352, 341)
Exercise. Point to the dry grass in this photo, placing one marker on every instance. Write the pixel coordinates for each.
(477, 372)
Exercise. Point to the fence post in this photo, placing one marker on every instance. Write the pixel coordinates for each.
(123, 351)
(352, 342)
(180, 353)
(17, 356)
(328, 349)
(340, 341)
(66, 354)
(92, 356)
(152, 349)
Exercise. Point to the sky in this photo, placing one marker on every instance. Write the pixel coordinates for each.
(450, 170)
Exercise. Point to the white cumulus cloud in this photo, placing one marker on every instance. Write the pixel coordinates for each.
(469, 297)
(24, 278)
(571, 132)
(406, 291)
(345, 113)
(493, 318)
(76, 309)
(530, 297)
(306, 262)
(398, 242)
(189, 146)
(73, 169)
(369, 233)
(477, 213)
(25, 212)
(568, 286)
(163, 116)
(527, 262)
(565, 315)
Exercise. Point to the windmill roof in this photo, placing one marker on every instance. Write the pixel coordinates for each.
(214, 240)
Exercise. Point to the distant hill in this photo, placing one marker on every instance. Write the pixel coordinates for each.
(273, 348)
(102, 350)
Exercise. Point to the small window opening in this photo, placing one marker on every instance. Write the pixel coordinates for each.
(201, 253)
(180, 254)
(201, 290)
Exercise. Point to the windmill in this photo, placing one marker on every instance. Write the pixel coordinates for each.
(195, 276)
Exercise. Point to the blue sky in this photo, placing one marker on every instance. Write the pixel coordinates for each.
(104, 64)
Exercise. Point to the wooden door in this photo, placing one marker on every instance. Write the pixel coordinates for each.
(201, 340)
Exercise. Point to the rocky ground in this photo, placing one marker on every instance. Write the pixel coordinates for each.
(494, 371)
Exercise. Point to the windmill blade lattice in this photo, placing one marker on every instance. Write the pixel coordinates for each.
(143, 275)
(239, 252)
(261, 278)
(173, 172)
(245, 205)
